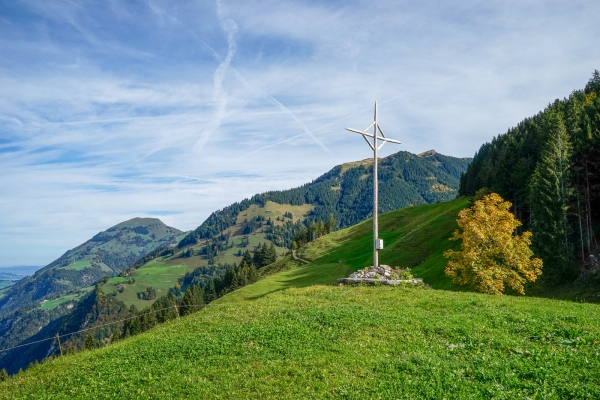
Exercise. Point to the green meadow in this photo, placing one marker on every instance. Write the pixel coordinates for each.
(47, 304)
(415, 237)
(158, 275)
(344, 342)
(296, 334)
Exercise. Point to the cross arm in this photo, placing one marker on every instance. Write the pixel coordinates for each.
(384, 139)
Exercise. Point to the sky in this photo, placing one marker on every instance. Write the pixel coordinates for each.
(115, 109)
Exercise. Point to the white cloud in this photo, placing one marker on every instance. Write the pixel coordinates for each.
(107, 113)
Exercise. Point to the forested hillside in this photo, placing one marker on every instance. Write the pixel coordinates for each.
(57, 298)
(346, 192)
(548, 166)
(229, 250)
(30, 324)
(107, 253)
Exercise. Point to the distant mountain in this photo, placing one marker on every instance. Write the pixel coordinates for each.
(17, 272)
(405, 179)
(346, 191)
(107, 253)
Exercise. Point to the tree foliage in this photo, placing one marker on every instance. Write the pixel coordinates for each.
(346, 194)
(550, 190)
(548, 166)
(491, 256)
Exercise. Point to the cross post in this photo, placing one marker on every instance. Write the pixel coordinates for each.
(377, 243)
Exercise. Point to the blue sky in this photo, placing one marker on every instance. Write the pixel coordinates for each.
(115, 109)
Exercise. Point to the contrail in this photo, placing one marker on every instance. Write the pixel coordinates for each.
(225, 64)
(230, 27)
(283, 108)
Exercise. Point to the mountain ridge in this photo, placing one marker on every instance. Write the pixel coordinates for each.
(106, 253)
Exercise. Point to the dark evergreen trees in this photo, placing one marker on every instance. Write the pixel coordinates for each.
(210, 292)
(89, 342)
(548, 167)
(192, 299)
(550, 192)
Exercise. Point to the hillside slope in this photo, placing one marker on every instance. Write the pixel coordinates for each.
(346, 191)
(35, 325)
(548, 166)
(41, 304)
(107, 253)
(343, 342)
(415, 237)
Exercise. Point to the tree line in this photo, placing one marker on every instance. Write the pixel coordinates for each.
(548, 166)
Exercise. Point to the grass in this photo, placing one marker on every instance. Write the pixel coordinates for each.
(349, 165)
(229, 256)
(47, 304)
(344, 342)
(78, 265)
(5, 284)
(294, 275)
(415, 237)
(295, 335)
(158, 275)
(273, 210)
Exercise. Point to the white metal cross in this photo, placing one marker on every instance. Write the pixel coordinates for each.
(377, 243)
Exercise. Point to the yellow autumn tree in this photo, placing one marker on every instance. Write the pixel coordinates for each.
(492, 256)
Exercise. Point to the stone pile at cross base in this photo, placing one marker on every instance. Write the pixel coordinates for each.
(383, 274)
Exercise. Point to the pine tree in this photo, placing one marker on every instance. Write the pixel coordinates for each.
(330, 225)
(237, 281)
(271, 254)
(192, 298)
(549, 197)
(3, 375)
(210, 293)
(252, 275)
(247, 258)
(116, 336)
(89, 342)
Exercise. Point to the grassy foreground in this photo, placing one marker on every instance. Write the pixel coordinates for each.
(344, 342)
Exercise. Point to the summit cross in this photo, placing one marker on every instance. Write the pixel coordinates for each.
(377, 243)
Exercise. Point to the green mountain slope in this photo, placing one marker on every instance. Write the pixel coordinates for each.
(343, 342)
(107, 253)
(31, 325)
(346, 191)
(415, 237)
(38, 305)
(60, 289)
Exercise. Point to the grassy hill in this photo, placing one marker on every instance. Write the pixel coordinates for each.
(163, 273)
(154, 274)
(38, 302)
(238, 241)
(295, 335)
(345, 191)
(107, 253)
(415, 237)
(344, 342)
